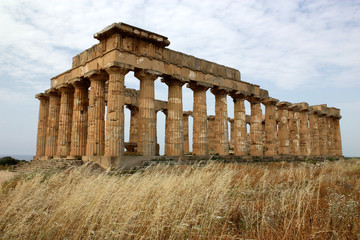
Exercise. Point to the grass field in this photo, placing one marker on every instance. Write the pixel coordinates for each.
(5, 175)
(218, 201)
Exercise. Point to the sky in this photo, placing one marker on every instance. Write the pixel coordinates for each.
(300, 51)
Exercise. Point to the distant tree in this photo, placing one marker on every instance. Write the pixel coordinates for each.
(7, 161)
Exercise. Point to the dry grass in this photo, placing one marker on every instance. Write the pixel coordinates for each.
(5, 175)
(257, 201)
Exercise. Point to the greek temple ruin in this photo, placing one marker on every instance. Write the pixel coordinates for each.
(73, 123)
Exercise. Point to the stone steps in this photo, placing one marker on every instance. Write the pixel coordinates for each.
(43, 165)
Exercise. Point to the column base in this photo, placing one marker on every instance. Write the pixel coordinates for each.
(124, 162)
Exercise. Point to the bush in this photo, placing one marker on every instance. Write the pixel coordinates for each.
(8, 161)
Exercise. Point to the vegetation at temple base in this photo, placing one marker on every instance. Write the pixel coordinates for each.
(7, 161)
(218, 201)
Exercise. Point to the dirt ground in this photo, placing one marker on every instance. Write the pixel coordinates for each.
(5, 174)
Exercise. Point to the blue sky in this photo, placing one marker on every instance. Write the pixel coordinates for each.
(297, 50)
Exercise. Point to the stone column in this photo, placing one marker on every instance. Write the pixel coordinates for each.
(232, 133)
(314, 132)
(114, 136)
(42, 124)
(133, 134)
(239, 132)
(53, 122)
(186, 131)
(337, 136)
(283, 128)
(175, 125)
(200, 126)
(65, 120)
(95, 145)
(256, 131)
(221, 122)
(294, 129)
(331, 132)
(166, 147)
(305, 141)
(80, 117)
(322, 127)
(147, 124)
(270, 127)
(211, 133)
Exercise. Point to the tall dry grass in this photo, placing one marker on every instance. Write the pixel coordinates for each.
(218, 201)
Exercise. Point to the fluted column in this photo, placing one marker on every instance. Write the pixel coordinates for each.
(114, 135)
(175, 125)
(232, 133)
(294, 129)
(240, 132)
(221, 122)
(186, 130)
(331, 132)
(134, 115)
(147, 124)
(337, 136)
(283, 128)
(211, 133)
(314, 132)
(200, 126)
(305, 140)
(79, 118)
(256, 129)
(42, 124)
(65, 120)
(95, 145)
(53, 122)
(270, 127)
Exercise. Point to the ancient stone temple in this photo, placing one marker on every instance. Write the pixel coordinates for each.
(72, 122)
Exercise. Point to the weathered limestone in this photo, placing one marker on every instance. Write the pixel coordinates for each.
(334, 116)
(53, 122)
(114, 137)
(283, 128)
(133, 135)
(200, 126)
(305, 140)
(175, 125)
(147, 123)
(95, 145)
(211, 133)
(270, 127)
(232, 133)
(221, 123)
(186, 131)
(256, 128)
(294, 129)
(314, 132)
(240, 131)
(79, 118)
(65, 120)
(42, 124)
(338, 146)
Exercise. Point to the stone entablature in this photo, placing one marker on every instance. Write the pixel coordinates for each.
(72, 120)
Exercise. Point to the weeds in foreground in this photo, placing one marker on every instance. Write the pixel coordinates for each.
(218, 201)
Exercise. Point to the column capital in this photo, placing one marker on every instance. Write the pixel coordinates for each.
(118, 67)
(283, 105)
(303, 106)
(52, 92)
(132, 107)
(199, 85)
(211, 117)
(147, 74)
(238, 95)
(42, 96)
(220, 91)
(270, 101)
(170, 81)
(231, 120)
(80, 82)
(294, 107)
(65, 88)
(187, 113)
(254, 99)
(96, 75)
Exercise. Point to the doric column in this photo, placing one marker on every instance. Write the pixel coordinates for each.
(232, 133)
(134, 116)
(147, 124)
(331, 131)
(175, 125)
(337, 134)
(42, 124)
(239, 133)
(221, 122)
(114, 136)
(95, 145)
(186, 130)
(270, 127)
(200, 126)
(211, 133)
(166, 147)
(293, 111)
(80, 117)
(53, 122)
(283, 128)
(256, 128)
(314, 131)
(65, 120)
(305, 140)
